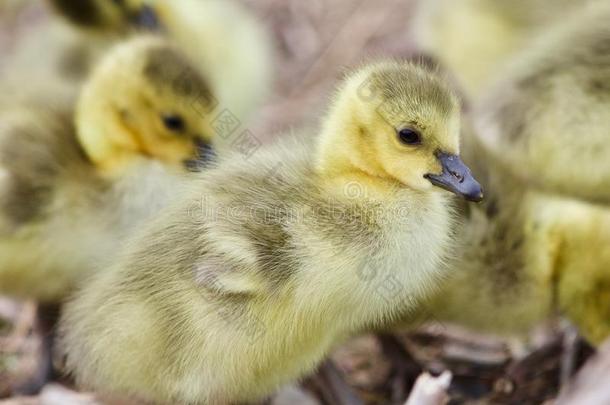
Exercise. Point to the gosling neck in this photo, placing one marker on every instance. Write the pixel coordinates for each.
(107, 142)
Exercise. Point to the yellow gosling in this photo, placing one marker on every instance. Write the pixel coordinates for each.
(252, 276)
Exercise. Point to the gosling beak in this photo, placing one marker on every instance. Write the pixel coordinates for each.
(205, 151)
(205, 156)
(456, 177)
(146, 18)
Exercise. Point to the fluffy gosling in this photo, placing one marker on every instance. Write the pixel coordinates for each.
(70, 192)
(266, 263)
(147, 100)
(222, 38)
(74, 39)
(547, 119)
(530, 252)
(474, 39)
(106, 15)
(225, 40)
(526, 257)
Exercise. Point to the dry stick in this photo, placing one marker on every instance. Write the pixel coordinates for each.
(590, 386)
(403, 364)
(333, 387)
(22, 325)
(429, 390)
(46, 320)
(536, 373)
(569, 354)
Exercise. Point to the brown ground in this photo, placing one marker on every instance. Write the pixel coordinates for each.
(315, 41)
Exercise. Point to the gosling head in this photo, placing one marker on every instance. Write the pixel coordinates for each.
(398, 121)
(110, 15)
(146, 100)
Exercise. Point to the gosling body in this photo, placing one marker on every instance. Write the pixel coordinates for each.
(222, 39)
(526, 257)
(228, 44)
(554, 90)
(72, 189)
(279, 256)
(474, 39)
(538, 246)
(75, 36)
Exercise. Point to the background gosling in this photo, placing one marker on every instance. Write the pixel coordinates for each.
(58, 200)
(62, 213)
(525, 245)
(146, 100)
(223, 40)
(75, 38)
(250, 279)
(106, 15)
(525, 257)
(221, 37)
(226, 42)
(474, 39)
(547, 120)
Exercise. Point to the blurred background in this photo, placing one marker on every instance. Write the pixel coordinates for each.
(310, 47)
(314, 42)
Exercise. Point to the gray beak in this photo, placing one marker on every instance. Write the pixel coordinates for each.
(206, 155)
(456, 177)
(147, 19)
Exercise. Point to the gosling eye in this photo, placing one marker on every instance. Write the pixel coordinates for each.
(174, 123)
(409, 136)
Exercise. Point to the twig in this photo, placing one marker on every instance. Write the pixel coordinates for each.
(405, 366)
(333, 387)
(590, 386)
(22, 327)
(568, 356)
(429, 390)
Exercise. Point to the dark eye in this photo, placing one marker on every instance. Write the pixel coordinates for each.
(409, 136)
(174, 123)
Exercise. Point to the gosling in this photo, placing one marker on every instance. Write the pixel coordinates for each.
(526, 257)
(540, 245)
(222, 38)
(106, 16)
(73, 41)
(71, 190)
(273, 257)
(552, 91)
(474, 39)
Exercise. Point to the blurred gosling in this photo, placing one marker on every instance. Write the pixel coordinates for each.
(534, 248)
(225, 40)
(222, 38)
(252, 276)
(146, 101)
(547, 119)
(474, 39)
(54, 58)
(542, 252)
(526, 257)
(69, 194)
(107, 16)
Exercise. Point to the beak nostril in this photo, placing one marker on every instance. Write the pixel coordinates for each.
(457, 175)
